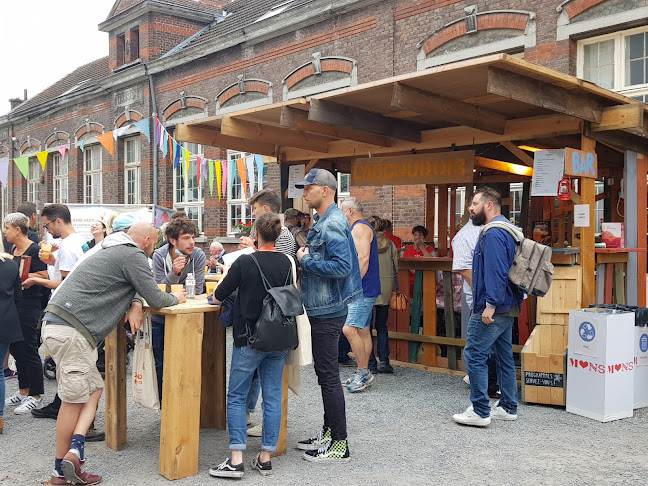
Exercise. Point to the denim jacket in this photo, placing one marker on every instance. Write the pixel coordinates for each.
(330, 272)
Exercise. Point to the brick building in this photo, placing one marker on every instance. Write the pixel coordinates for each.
(188, 59)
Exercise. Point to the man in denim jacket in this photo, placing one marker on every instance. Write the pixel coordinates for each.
(330, 280)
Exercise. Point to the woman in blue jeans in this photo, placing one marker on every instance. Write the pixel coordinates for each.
(10, 294)
(244, 275)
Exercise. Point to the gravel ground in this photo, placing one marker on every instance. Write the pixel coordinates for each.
(400, 432)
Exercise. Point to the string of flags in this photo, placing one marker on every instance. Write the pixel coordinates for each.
(222, 172)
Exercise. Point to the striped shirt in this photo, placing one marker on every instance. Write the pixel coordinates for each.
(286, 243)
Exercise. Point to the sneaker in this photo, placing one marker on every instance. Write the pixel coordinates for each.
(385, 368)
(48, 411)
(71, 467)
(466, 380)
(350, 380)
(469, 417)
(94, 435)
(227, 470)
(498, 413)
(334, 451)
(57, 479)
(256, 431)
(15, 399)
(349, 363)
(264, 468)
(322, 438)
(29, 404)
(9, 373)
(361, 382)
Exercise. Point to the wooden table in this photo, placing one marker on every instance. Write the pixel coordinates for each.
(194, 389)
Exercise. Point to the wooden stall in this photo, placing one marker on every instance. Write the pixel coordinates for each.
(468, 123)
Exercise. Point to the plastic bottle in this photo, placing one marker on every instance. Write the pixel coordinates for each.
(190, 286)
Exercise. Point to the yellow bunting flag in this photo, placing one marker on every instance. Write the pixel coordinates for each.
(219, 176)
(42, 158)
(186, 158)
(211, 178)
(23, 164)
(240, 166)
(108, 142)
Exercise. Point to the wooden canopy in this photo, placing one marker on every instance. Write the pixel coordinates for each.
(495, 99)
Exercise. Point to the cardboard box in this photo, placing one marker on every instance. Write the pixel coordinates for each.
(641, 367)
(601, 364)
(613, 235)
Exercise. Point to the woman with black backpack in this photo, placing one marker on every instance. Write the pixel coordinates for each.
(252, 274)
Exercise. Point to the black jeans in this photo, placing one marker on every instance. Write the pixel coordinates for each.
(28, 362)
(382, 335)
(325, 334)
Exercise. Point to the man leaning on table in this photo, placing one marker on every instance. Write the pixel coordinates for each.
(80, 314)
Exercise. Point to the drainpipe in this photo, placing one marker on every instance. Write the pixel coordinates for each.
(155, 148)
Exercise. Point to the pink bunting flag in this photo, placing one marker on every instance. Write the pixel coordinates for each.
(224, 182)
(62, 150)
(198, 162)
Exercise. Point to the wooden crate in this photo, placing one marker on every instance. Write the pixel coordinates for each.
(544, 365)
(563, 296)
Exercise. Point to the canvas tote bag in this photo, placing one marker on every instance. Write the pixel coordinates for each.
(145, 388)
(303, 354)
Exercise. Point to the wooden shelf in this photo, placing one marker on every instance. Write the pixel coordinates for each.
(620, 250)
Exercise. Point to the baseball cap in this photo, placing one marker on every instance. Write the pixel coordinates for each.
(291, 213)
(123, 221)
(318, 177)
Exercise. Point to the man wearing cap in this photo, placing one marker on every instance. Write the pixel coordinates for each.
(330, 280)
(291, 221)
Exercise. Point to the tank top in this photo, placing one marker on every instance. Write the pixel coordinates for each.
(371, 280)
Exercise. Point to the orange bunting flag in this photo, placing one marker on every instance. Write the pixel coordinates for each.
(42, 158)
(240, 166)
(108, 142)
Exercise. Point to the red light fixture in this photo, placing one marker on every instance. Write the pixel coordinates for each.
(564, 189)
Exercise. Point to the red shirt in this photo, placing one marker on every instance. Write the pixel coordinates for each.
(398, 243)
(411, 252)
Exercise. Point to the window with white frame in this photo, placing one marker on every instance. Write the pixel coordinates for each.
(33, 180)
(60, 171)
(515, 205)
(92, 175)
(132, 171)
(600, 205)
(617, 61)
(238, 210)
(344, 186)
(186, 195)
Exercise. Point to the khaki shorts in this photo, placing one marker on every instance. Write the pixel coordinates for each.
(76, 362)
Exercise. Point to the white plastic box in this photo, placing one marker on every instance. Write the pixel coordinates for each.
(601, 364)
(641, 367)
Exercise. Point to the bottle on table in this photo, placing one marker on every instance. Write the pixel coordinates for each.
(190, 286)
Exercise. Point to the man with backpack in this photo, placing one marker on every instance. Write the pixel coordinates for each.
(496, 303)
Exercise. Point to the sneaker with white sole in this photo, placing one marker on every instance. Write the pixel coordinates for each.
(322, 438)
(498, 413)
(349, 380)
(29, 404)
(264, 468)
(226, 470)
(360, 382)
(256, 431)
(334, 451)
(469, 417)
(15, 399)
(466, 380)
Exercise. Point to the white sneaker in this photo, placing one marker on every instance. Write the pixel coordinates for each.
(256, 431)
(466, 380)
(498, 413)
(469, 417)
(29, 404)
(15, 399)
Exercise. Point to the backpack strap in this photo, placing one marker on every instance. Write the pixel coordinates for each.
(509, 228)
(266, 284)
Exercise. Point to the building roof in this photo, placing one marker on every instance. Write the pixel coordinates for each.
(82, 77)
(211, 6)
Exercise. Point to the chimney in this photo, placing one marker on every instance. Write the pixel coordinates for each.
(14, 102)
(25, 94)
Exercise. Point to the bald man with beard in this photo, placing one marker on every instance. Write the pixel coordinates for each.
(86, 307)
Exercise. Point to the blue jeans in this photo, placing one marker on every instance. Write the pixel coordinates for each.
(4, 349)
(245, 361)
(382, 336)
(253, 396)
(481, 338)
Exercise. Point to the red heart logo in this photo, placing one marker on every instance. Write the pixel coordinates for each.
(583, 364)
(617, 367)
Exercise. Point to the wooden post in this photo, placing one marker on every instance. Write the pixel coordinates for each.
(453, 216)
(403, 317)
(443, 222)
(213, 400)
(448, 303)
(115, 388)
(430, 213)
(587, 255)
(180, 431)
(282, 443)
(429, 316)
(642, 227)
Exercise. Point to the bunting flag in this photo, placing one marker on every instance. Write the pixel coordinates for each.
(4, 172)
(211, 179)
(203, 170)
(231, 174)
(176, 154)
(249, 165)
(171, 146)
(240, 167)
(108, 142)
(164, 144)
(186, 160)
(81, 144)
(259, 163)
(23, 165)
(42, 158)
(158, 129)
(198, 162)
(219, 176)
(224, 166)
(144, 127)
(120, 131)
(62, 149)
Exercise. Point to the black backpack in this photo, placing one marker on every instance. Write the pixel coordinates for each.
(276, 327)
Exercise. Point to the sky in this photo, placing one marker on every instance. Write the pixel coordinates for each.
(46, 47)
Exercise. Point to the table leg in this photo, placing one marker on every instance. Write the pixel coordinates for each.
(115, 388)
(282, 443)
(180, 431)
(213, 399)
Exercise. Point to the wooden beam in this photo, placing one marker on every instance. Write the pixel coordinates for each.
(435, 107)
(642, 217)
(366, 121)
(525, 158)
(516, 169)
(619, 138)
(621, 117)
(280, 136)
(212, 137)
(298, 120)
(587, 254)
(537, 93)
(312, 163)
